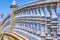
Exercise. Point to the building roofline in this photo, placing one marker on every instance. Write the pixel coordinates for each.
(35, 3)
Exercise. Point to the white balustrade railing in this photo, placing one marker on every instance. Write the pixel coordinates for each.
(35, 19)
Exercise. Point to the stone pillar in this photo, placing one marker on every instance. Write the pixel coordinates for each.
(13, 7)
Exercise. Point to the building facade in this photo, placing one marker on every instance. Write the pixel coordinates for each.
(34, 21)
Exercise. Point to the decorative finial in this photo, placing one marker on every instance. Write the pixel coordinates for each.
(14, 2)
(1, 15)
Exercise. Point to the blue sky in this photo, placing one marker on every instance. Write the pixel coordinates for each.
(5, 5)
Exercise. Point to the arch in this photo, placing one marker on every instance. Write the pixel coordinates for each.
(15, 35)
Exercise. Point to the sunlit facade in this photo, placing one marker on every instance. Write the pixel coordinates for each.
(35, 21)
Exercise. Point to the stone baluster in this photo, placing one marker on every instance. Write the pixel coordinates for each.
(59, 22)
(18, 24)
(45, 10)
(55, 34)
(22, 13)
(49, 8)
(38, 11)
(34, 28)
(25, 13)
(38, 29)
(24, 26)
(28, 27)
(48, 24)
(54, 21)
(42, 19)
(31, 12)
(21, 25)
(58, 6)
(31, 27)
(28, 13)
(38, 33)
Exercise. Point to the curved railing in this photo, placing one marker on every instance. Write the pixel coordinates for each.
(38, 19)
(13, 36)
